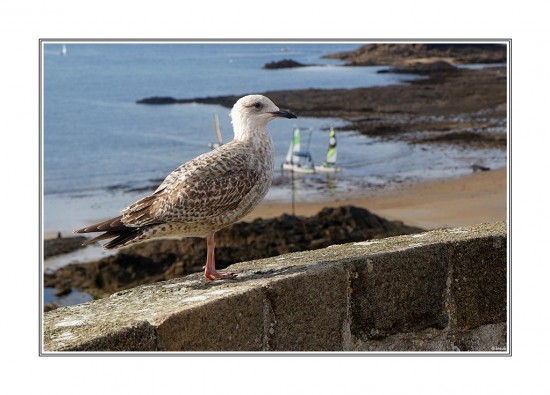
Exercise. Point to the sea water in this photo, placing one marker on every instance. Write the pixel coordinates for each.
(102, 151)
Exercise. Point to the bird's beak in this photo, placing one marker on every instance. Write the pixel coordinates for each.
(284, 114)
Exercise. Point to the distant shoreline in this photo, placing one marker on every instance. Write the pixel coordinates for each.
(447, 107)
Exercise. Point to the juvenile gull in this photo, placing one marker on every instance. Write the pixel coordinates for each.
(208, 193)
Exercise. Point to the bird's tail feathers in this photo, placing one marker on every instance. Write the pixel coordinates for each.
(122, 238)
(114, 229)
(103, 236)
(111, 225)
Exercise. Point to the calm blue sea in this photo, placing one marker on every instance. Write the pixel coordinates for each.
(99, 144)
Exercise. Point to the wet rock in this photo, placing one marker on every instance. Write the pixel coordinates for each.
(62, 291)
(62, 245)
(421, 68)
(284, 64)
(158, 100)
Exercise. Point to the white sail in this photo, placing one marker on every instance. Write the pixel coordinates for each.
(296, 160)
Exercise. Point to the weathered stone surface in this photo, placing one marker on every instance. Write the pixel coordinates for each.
(399, 292)
(478, 282)
(230, 324)
(429, 339)
(96, 327)
(491, 337)
(395, 294)
(137, 337)
(303, 314)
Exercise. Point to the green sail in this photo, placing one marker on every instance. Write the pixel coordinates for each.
(331, 152)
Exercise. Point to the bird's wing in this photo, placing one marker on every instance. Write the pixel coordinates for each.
(200, 189)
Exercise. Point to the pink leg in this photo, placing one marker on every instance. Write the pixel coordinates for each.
(210, 269)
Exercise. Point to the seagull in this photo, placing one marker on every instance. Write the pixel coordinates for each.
(208, 193)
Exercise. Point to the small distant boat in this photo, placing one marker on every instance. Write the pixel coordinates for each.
(297, 160)
(329, 165)
(63, 50)
(218, 133)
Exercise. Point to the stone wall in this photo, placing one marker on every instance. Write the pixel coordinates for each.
(442, 290)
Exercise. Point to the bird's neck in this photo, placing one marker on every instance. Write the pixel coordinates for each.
(257, 139)
(249, 133)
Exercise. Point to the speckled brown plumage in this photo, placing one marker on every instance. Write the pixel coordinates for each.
(208, 193)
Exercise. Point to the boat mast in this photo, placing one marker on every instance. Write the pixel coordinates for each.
(218, 131)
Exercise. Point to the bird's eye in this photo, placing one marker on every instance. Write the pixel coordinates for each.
(258, 105)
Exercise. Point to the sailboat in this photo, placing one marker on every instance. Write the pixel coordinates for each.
(63, 50)
(329, 165)
(218, 133)
(297, 160)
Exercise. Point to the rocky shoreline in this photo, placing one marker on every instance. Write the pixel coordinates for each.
(163, 259)
(403, 54)
(454, 106)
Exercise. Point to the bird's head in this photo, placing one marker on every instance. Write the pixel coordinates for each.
(253, 112)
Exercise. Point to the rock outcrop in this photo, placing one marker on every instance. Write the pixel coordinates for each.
(399, 54)
(284, 64)
(62, 245)
(437, 66)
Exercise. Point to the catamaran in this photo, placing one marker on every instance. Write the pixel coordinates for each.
(218, 132)
(297, 160)
(329, 165)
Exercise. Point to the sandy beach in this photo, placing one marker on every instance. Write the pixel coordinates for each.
(476, 198)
